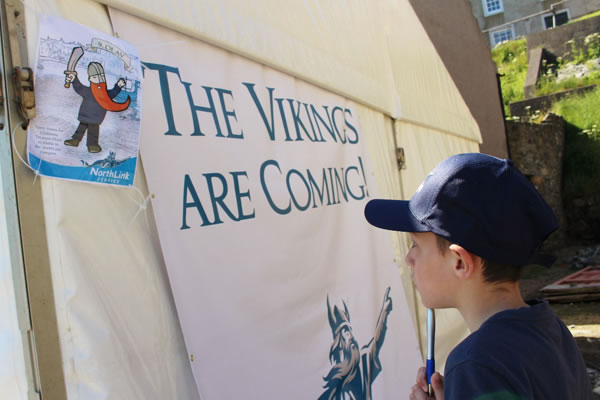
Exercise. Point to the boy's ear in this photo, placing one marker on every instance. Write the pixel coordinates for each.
(465, 263)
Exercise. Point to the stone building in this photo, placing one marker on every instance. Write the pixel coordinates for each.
(502, 20)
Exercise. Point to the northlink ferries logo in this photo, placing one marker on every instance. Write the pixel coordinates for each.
(353, 371)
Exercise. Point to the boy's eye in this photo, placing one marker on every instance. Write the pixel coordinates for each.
(413, 244)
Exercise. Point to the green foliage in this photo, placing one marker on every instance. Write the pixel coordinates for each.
(581, 166)
(578, 55)
(547, 83)
(511, 60)
(589, 51)
(592, 44)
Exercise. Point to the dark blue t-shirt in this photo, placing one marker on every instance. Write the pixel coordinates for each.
(520, 354)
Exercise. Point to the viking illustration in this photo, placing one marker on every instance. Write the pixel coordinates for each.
(353, 371)
(109, 162)
(97, 100)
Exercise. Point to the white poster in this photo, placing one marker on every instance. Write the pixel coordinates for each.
(259, 182)
(88, 105)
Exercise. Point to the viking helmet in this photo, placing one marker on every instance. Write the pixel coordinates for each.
(95, 69)
(338, 319)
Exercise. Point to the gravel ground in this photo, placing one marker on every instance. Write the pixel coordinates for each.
(595, 379)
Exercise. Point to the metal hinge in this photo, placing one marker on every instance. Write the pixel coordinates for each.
(22, 76)
(24, 94)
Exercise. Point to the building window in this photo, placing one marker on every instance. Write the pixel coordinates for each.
(501, 36)
(559, 18)
(491, 7)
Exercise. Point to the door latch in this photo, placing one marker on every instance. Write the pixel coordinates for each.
(24, 95)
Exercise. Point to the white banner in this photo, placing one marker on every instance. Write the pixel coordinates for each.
(259, 182)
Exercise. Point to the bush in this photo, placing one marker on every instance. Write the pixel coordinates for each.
(592, 44)
(547, 83)
(511, 61)
(581, 165)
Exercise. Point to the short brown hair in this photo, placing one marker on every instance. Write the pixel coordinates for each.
(493, 272)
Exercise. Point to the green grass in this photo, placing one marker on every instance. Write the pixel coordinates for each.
(548, 85)
(511, 61)
(590, 50)
(581, 165)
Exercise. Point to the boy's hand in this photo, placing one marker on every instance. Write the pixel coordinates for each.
(419, 390)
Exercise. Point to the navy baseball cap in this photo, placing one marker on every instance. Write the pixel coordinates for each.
(480, 202)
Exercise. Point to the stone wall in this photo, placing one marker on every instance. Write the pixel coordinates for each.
(537, 150)
(544, 103)
(555, 40)
(583, 218)
(534, 69)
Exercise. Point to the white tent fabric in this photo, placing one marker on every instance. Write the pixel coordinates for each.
(359, 49)
(426, 93)
(120, 337)
(337, 46)
(13, 375)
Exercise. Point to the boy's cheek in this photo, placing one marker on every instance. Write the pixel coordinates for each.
(412, 273)
(414, 279)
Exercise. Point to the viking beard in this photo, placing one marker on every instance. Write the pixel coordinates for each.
(101, 95)
(345, 370)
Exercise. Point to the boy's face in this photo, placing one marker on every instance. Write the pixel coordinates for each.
(431, 270)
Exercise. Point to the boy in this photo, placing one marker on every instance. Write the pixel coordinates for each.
(474, 222)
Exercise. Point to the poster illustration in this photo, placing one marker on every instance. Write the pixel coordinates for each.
(353, 368)
(88, 105)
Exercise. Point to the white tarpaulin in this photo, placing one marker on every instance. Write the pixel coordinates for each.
(120, 337)
(259, 182)
(13, 377)
(375, 52)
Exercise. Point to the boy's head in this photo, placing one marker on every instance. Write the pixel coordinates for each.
(483, 204)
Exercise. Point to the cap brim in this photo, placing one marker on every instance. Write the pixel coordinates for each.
(393, 215)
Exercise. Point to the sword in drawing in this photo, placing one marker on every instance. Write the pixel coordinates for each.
(76, 54)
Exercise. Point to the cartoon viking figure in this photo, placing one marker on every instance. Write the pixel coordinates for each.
(97, 100)
(353, 370)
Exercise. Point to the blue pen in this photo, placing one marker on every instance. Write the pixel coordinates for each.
(430, 366)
